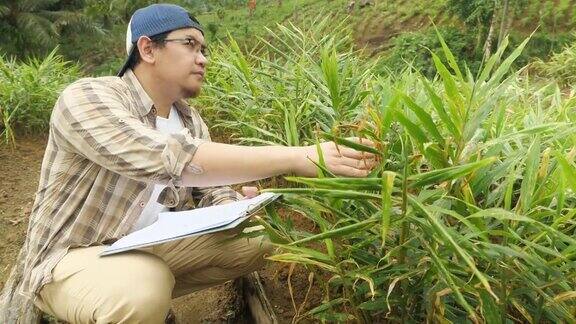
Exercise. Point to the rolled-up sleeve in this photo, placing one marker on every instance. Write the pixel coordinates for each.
(210, 196)
(91, 119)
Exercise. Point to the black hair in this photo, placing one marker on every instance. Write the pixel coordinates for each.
(135, 57)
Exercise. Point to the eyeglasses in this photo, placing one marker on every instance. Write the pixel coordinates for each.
(195, 45)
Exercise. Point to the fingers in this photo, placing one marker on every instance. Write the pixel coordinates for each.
(361, 164)
(347, 167)
(352, 153)
(363, 141)
(347, 171)
(340, 150)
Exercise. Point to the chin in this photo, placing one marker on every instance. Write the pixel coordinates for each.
(192, 92)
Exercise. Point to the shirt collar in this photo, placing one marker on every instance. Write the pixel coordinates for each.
(183, 107)
(144, 102)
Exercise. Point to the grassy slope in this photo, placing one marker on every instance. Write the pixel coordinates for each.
(374, 26)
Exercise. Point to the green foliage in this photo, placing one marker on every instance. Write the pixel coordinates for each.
(470, 216)
(293, 81)
(101, 54)
(414, 49)
(92, 31)
(232, 17)
(561, 66)
(28, 92)
(213, 29)
(114, 12)
(542, 46)
(107, 67)
(34, 27)
(473, 12)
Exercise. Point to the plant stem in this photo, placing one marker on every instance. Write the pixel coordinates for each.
(405, 225)
(360, 315)
(404, 231)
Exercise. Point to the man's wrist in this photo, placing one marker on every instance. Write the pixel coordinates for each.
(298, 160)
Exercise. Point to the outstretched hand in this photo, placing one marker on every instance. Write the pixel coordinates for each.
(339, 159)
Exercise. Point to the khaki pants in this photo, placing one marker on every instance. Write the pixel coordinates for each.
(137, 286)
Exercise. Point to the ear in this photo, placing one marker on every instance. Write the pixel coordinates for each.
(146, 48)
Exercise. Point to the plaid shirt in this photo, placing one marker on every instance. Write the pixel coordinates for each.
(102, 160)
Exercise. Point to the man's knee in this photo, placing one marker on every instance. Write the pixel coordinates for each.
(143, 303)
(144, 299)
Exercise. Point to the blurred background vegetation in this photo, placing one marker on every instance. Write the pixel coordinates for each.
(89, 35)
(91, 32)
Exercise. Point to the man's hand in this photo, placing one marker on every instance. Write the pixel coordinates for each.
(249, 192)
(340, 160)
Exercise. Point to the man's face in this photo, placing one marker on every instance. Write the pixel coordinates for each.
(181, 62)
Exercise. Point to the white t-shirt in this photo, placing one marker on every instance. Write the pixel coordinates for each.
(149, 215)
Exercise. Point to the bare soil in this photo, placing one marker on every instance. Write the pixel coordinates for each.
(19, 175)
(276, 279)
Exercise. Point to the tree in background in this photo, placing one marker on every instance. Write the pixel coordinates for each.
(483, 16)
(33, 27)
(476, 14)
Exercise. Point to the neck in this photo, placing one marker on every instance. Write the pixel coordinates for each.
(161, 93)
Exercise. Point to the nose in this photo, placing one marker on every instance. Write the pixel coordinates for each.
(201, 59)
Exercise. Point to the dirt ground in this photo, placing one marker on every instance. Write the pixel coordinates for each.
(275, 281)
(19, 174)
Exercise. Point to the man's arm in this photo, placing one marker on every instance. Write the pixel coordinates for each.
(221, 164)
(216, 164)
(214, 195)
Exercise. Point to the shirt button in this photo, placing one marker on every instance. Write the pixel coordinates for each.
(141, 204)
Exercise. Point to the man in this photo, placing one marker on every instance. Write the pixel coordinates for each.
(120, 150)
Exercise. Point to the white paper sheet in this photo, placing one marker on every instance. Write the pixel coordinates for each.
(176, 225)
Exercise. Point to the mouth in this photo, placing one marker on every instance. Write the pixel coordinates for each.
(200, 73)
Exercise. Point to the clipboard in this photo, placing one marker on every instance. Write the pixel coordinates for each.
(171, 226)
